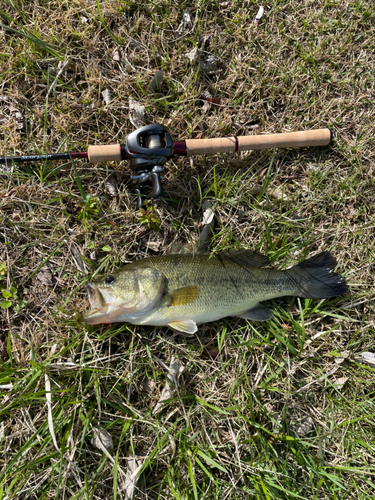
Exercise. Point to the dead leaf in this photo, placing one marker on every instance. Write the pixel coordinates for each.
(305, 426)
(366, 357)
(77, 259)
(278, 194)
(206, 95)
(116, 55)
(304, 190)
(209, 223)
(210, 64)
(134, 45)
(174, 372)
(8, 387)
(133, 469)
(259, 15)
(186, 25)
(206, 106)
(102, 439)
(6, 168)
(263, 173)
(110, 185)
(136, 113)
(45, 276)
(340, 382)
(241, 216)
(192, 54)
(154, 245)
(249, 124)
(212, 102)
(208, 214)
(350, 212)
(3, 120)
(155, 86)
(147, 385)
(106, 94)
(344, 355)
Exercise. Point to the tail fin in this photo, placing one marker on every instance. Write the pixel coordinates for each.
(317, 279)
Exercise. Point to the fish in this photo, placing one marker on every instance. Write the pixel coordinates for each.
(182, 291)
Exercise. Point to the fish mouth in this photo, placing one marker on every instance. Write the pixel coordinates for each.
(101, 303)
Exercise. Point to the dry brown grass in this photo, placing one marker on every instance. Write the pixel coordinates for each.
(231, 430)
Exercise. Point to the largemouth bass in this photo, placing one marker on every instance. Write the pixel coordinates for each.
(183, 291)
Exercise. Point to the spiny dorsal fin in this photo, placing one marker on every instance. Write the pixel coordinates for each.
(185, 326)
(183, 296)
(247, 258)
(180, 249)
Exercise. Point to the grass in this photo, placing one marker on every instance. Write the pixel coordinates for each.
(275, 410)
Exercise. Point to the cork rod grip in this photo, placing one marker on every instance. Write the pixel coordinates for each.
(97, 154)
(319, 137)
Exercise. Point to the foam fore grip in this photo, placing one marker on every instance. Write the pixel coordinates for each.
(110, 152)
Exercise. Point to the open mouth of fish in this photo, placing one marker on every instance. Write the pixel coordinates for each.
(101, 303)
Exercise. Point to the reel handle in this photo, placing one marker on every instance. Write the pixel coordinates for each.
(157, 190)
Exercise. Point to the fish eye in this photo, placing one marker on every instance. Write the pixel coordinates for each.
(110, 279)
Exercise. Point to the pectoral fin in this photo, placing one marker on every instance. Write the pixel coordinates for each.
(186, 326)
(257, 313)
(183, 296)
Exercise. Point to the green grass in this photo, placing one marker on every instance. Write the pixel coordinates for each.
(259, 411)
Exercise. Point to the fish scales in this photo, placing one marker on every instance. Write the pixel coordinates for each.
(223, 285)
(184, 290)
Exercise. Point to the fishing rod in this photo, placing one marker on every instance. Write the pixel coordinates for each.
(148, 148)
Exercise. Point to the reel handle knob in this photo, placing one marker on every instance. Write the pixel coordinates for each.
(157, 190)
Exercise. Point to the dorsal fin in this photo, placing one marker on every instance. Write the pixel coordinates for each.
(179, 248)
(247, 258)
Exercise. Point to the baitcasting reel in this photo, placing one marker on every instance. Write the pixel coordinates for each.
(147, 149)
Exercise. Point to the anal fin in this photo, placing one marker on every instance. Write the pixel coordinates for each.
(257, 313)
(187, 326)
